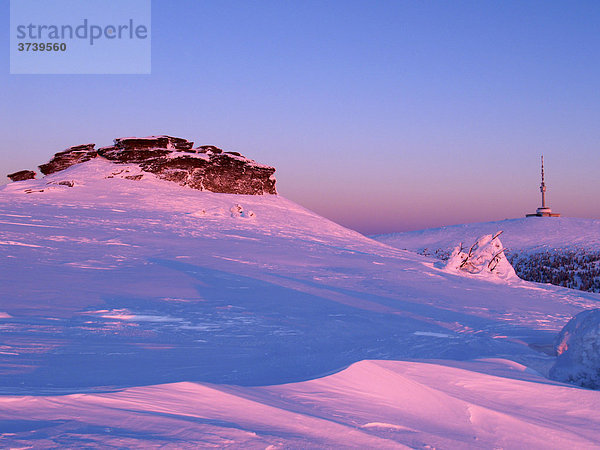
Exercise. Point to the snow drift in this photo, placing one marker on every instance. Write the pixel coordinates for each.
(370, 405)
(578, 350)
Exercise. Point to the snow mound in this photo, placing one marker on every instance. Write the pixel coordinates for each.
(578, 349)
(485, 257)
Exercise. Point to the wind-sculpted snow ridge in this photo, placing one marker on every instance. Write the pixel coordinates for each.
(138, 312)
(206, 168)
(563, 251)
(578, 349)
(490, 403)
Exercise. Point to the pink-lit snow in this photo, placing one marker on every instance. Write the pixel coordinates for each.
(142, 313)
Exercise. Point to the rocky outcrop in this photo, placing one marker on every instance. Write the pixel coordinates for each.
(22, 175)
(68, 157)
(166, 142)
(214, 171)
(141, 149)
(174, 159)
(205, 168)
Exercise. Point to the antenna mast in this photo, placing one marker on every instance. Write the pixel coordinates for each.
(543, 186)
(543, 211)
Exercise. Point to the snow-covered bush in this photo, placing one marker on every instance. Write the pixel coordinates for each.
(485, 257)
(238, 211)
(578, 349)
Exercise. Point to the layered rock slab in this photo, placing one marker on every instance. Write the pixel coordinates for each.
(22, 175)
(67, 158)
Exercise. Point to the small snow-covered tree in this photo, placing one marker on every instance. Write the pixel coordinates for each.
(485, 256)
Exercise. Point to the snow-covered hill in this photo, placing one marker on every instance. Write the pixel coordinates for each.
(525, 234)
(563, 251)
(137, 312)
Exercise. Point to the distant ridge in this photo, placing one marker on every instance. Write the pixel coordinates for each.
(564, 251)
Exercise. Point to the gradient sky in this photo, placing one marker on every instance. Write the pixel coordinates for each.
(381, 115)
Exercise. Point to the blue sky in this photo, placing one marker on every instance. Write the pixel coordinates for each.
(381, 115)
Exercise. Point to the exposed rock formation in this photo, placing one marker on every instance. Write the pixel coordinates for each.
(68, 157)
(22, 175)
(173, 159)
(216, 172)
(141, 149)
(168, 142)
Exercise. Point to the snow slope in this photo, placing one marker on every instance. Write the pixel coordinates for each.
(528, 234)
(143, 313)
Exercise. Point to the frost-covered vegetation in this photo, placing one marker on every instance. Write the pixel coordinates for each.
(575, 269)
(485, 257)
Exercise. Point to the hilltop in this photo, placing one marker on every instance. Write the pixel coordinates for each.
(206, 168)
(528, 234)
